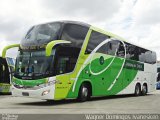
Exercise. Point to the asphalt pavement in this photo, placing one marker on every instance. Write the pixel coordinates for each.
(121, 104)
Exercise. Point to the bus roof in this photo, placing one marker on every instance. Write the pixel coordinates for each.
(69, 21)
(96, 29)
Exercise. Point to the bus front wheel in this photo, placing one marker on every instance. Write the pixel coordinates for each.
(137, 90)
(83, 93)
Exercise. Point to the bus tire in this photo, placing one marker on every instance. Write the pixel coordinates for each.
(137, 90)
(83, 93)
(144, 89)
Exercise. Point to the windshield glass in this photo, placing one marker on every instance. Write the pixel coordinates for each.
(34, 65)
(42, 34)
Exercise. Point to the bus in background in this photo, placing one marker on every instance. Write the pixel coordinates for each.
(67, 59)
(7, 69)
(158, 76)
(158, 67)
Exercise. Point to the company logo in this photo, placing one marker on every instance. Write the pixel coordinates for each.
(101, 60)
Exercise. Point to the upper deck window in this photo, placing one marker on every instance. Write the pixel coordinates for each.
(95, 39)
(74, 33)
(42, 34)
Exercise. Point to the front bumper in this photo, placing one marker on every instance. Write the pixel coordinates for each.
(35, 93)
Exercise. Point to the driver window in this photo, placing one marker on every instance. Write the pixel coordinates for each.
(62, 64)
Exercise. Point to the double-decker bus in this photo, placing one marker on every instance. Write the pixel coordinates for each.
(68, 59)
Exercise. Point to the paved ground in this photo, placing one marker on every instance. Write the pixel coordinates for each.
(114, 105)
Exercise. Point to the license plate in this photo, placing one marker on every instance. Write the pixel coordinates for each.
(25, 93)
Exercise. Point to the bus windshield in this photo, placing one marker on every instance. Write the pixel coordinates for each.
(34, 65)
(42, 34)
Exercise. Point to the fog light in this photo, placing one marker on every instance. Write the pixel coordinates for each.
(45, 92)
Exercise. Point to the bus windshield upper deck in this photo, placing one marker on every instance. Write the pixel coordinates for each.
(43, 34)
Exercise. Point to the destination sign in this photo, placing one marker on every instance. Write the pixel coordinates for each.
(134, 65)
(32, 47)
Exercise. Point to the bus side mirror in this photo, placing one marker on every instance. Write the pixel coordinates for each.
(8, 47)
(51, 44)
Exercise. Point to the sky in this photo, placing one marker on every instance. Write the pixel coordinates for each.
(138, 21)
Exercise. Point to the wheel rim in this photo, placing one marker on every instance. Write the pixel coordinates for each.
(137, 90)
(144, 89)
(84, 92)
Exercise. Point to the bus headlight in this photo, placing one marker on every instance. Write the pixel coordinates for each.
(45, 92)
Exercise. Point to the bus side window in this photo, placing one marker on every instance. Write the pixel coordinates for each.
(109, 48)
(113, 47)
(74, 33)
(120, 51)
(62, 65)
(66, 64)
(132, 51)
(71, 64)
(140, 54)
(95, 39)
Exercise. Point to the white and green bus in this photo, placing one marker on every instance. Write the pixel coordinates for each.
(68, 59)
